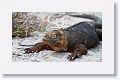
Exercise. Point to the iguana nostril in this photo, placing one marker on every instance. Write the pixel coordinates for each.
(46, 36)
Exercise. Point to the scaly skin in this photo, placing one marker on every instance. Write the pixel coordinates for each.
(75, 39)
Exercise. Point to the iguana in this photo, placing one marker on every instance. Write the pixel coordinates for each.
(76, 39)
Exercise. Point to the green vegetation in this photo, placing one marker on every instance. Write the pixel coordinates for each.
(23, 24)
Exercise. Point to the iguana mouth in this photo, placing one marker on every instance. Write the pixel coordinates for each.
(47, 41)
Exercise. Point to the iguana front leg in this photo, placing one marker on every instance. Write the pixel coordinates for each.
(37, 47)
(78, 51)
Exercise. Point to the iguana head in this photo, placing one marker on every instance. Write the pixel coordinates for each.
(53, 37)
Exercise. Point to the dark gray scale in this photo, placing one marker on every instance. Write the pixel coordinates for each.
(82, 33)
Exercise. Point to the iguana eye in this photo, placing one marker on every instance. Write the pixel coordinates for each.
(53, 36)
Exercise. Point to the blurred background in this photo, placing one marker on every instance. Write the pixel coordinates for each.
(25, 23)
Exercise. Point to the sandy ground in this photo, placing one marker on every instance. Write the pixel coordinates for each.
(94, 54)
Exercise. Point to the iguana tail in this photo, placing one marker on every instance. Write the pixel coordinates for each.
(97, 20)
